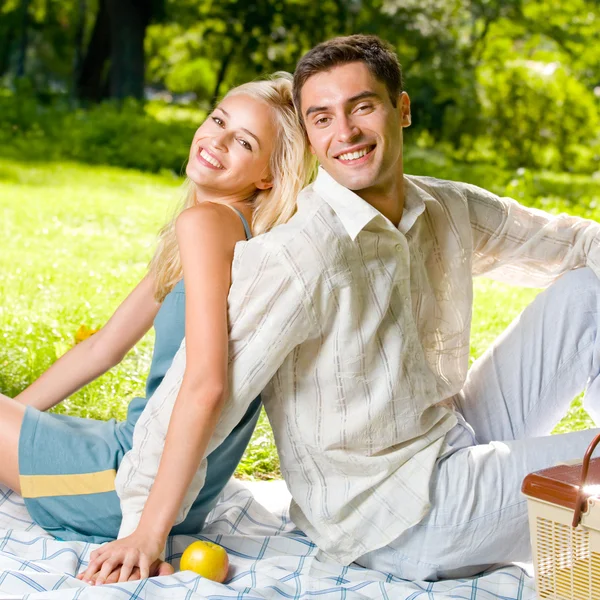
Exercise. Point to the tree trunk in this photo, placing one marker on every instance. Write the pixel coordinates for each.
(7, 40)
(78, 51)
(24, 38)
(128, 22)
(91, 83)
(221, 76)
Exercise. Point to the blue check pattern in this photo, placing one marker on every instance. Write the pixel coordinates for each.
(270, 559)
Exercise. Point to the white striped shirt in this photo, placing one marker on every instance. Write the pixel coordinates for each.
(356, 331)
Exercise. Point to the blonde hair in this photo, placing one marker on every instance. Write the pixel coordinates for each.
(291, 165)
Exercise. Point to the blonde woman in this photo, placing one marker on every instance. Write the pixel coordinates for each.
(247, 163)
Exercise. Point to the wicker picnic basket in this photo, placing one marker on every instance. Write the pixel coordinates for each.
(564, 522)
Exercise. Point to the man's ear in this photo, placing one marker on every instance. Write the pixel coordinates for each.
(404, 107)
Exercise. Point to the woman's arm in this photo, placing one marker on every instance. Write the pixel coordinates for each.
(207, 235)
(96, 355)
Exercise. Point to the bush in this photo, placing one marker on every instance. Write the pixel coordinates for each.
(538, 115)
(121, 135)
(550, 191)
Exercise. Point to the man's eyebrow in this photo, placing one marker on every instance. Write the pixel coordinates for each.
(242, 128)
(356, 98)
(314, 109)
(362, 96)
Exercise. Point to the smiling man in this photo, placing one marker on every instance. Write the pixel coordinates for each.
(353, 320)
(356, 131)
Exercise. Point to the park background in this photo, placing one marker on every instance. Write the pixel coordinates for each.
(99, 100)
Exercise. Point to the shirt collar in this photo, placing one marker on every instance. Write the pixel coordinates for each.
(355, 213)
(414, 205)
(351, 209)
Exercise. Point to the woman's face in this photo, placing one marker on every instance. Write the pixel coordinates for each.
(231, 150)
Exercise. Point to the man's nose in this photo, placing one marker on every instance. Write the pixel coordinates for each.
(347, 129)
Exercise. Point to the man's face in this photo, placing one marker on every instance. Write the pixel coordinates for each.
(353, 127)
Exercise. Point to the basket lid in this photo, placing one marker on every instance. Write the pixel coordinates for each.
(560, 484)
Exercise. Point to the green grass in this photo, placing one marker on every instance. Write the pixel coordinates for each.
(76, 239)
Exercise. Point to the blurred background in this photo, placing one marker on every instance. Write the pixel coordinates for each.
(513, 82)
(99, 100)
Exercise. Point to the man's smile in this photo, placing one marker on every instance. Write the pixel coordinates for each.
(356, 155)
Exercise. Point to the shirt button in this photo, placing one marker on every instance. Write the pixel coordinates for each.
(398, 246)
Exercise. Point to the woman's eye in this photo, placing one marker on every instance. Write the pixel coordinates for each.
(245, 144)
(218, 121)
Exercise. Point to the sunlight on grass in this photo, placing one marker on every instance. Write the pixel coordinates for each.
(77, 239)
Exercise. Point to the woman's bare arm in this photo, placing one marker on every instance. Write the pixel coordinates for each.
(207, 235)
(94, 356)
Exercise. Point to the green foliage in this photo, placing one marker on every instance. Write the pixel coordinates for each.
(539, 115)
(121, 135)
(80, 239)
(500, 81)
(260, 460)
(548, 190)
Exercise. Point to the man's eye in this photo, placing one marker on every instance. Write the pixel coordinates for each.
(322, 121)
(364, 107)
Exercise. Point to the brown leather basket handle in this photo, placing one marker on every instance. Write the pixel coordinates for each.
(584, 473)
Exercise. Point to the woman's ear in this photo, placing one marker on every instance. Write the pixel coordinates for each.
(266, 183)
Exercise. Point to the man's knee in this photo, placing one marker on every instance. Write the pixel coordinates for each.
(580, 283)
(581, 278)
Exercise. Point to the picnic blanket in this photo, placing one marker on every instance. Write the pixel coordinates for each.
(269, 558)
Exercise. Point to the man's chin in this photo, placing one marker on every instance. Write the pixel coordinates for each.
(353, 183)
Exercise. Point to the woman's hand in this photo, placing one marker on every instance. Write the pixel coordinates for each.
(158, 569)
(136, 554)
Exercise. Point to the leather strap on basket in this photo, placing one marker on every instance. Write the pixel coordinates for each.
(581, 498)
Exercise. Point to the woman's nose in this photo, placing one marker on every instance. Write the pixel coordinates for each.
(219, 142)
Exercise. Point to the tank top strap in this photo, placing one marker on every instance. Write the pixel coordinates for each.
(244, 222)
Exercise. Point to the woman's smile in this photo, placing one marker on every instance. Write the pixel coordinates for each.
(208, 159)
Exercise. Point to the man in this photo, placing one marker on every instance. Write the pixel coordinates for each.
(354, 318)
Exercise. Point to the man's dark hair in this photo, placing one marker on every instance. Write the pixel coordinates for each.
(379, 56)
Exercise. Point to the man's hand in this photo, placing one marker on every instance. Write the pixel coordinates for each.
(134, 557)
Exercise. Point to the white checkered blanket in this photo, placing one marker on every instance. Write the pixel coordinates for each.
(269, 558)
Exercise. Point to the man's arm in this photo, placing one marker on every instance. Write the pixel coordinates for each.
(268, 317)
(526, 246)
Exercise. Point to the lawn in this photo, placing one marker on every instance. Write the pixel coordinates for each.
(77, 238)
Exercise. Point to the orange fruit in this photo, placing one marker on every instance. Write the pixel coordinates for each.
(207, 559)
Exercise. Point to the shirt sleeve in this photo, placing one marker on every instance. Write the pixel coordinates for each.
(526, 246)
(268, 317)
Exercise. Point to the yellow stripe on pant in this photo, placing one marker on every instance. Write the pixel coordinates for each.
(38, 486)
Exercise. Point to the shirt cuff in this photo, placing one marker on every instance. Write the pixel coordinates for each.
(128, 525)
(593, 258)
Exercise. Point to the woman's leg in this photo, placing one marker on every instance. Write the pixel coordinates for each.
(11, 419)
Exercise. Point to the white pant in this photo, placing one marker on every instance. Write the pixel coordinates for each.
(513, 397)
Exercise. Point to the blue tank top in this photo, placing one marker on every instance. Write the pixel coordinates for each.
(169, 326)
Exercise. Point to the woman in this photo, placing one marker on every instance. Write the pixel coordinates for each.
(247, 163)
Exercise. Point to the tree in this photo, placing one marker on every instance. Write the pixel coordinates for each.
(24, 35)
(114, 62)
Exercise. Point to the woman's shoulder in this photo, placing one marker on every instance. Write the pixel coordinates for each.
(210, 212)
(216, 223)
